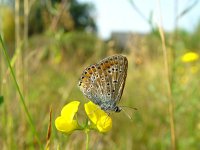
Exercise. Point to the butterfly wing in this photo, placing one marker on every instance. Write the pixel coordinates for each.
(117, 76)
(104, 82)
(92, 83)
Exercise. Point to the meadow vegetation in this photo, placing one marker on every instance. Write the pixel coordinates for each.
(47, 69)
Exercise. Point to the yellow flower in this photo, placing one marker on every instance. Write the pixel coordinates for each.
(100, 119)
(190, 57)
(65, 122)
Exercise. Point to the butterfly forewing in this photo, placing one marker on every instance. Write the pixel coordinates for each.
(103, 82)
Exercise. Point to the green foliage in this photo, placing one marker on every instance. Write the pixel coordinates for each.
(54, 14)
(82, 15)
(81, 45)
(71, 48)
(36, 25)
(1, 100)
(7, 25)
(194, 40)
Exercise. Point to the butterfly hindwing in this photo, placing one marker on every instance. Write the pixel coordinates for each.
(103, 82)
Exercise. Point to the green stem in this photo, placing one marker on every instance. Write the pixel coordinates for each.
(87, 139)
(20, 93)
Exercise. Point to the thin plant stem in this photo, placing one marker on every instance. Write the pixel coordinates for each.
(20, 93)
(26, 15)
(169, 85)
(87, 139)
(138, 11)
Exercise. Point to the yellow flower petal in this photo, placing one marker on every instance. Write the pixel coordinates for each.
(70, 110)
(101, 119)
(93, 111)
(65, 122)
(64, 125)
(190, 57)
(104, 124)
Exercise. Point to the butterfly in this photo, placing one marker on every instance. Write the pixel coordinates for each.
(103, 83)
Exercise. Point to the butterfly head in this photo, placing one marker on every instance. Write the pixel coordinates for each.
(109, 106)
(117, 109)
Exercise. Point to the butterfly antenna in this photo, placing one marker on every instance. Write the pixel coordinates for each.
(127, 114)
(129, 107)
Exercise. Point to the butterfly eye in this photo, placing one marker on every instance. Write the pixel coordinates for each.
(117, 109)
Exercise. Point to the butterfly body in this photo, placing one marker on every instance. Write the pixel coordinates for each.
(103, 82)
(109, 106)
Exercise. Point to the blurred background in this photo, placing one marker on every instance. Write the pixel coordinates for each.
(50, 42)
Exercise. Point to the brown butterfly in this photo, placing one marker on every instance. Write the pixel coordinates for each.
(103, 82)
